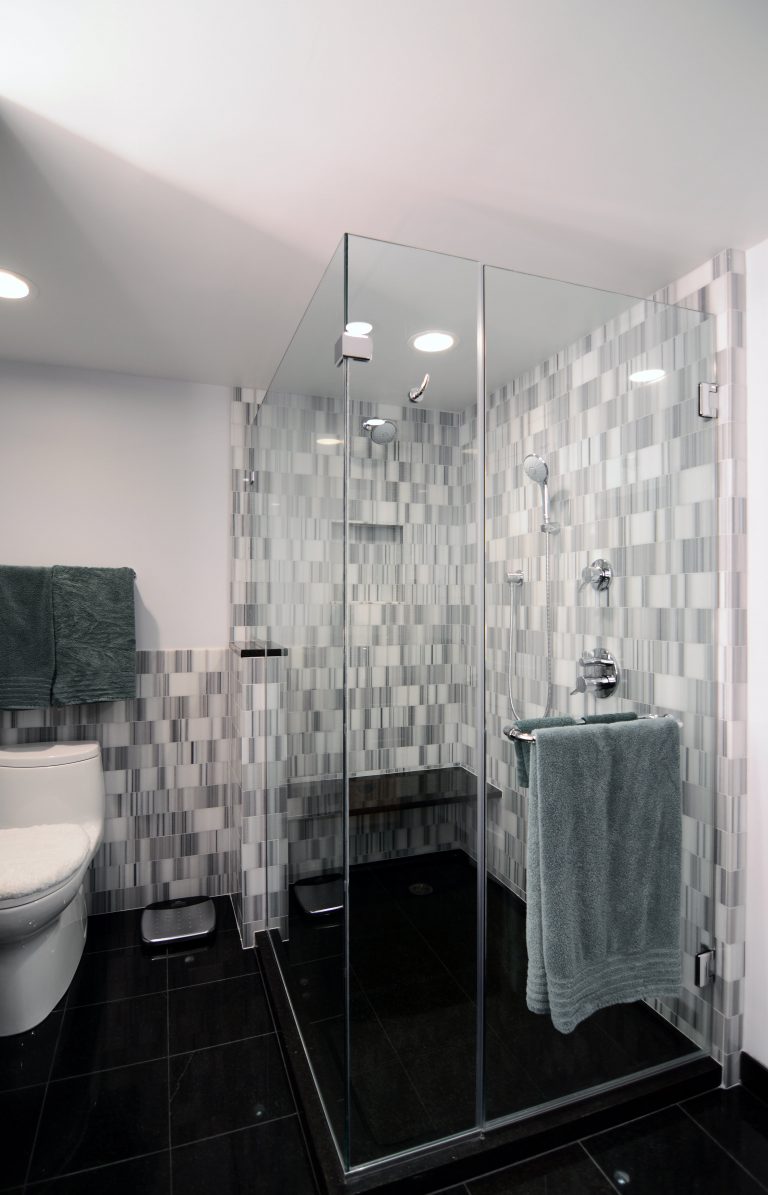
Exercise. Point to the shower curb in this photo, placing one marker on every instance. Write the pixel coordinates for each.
(477, 1153)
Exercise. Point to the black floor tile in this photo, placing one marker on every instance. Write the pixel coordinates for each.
(105, 1117)
(19, 1112)
(210, 1014)
(739, 1122)
(150, 1176)
(25, 1058)
(667, 1153)
(221, 958)
(99, 1036)
(317, 989)
(436, 1014)
(563, 1172)
(270, 1159)
(384, 961)
(645, 1037)
(113, 931)
(227, 1087)
(116, 975)
(225, 914)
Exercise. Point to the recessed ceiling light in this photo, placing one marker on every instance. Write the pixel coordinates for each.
(433, 342)
(13, 286)
(358, 327)
(329, 440)
(648, 375)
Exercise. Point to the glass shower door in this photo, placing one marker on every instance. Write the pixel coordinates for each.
(593, 398)
(411, 548)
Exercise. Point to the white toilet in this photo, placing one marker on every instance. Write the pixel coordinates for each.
(51, 822)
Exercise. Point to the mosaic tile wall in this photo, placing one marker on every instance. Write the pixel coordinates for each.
(169, 828)
(406, 682)
(633, 480)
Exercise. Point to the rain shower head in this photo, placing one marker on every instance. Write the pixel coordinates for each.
(381, 431)
(537, 469)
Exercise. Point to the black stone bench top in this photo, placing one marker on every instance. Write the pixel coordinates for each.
(411, 790)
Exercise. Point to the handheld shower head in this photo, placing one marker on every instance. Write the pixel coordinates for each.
(537, 469)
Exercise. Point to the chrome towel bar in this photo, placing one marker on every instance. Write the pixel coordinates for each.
(523, 736)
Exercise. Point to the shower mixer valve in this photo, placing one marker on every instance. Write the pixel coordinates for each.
(599, 673)
(598, 574)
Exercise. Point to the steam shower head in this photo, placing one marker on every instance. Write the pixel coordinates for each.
(381, 431)
(536, 468)
(417, 393)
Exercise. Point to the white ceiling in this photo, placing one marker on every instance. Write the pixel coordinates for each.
(174, 176)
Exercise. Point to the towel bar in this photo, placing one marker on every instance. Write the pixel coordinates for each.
(524, 736)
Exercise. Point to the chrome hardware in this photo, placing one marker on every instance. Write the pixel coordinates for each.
(708, 400)
(353, 348)
(523, 736)
(598, 574)
(704, 968)
(515, 577)
(417, 393)
(599, 673)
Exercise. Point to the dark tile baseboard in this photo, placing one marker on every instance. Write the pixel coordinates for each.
(754, 1076)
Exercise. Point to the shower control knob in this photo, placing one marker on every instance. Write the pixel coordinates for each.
(581, 686)
(598, 574)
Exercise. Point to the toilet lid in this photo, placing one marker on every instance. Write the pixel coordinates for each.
(35, 858)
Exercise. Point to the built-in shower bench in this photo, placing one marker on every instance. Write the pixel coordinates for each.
(412, 790)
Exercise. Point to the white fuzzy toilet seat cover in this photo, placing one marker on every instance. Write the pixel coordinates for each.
(34, 858)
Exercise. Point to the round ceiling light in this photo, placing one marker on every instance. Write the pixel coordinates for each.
(648, 375)
(13, 286)
(358, 327)
(433, 342)
(326, 441)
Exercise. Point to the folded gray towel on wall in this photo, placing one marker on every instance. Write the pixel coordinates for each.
(95, 631)
(523, 750)
(604, 718)
(604, 867)
(26, 637)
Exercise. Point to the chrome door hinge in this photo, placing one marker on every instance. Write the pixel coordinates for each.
(708, 400)
(704, 972)
(353, 348)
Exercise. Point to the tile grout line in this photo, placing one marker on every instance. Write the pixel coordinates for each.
(720, 1145)
(93, 1169)
(597, 1165)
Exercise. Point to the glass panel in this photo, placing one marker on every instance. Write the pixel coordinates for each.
(412, 793)
(297, 442)
(630, 472)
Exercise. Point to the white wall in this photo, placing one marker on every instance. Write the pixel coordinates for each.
(106, 469)
(756, 1013)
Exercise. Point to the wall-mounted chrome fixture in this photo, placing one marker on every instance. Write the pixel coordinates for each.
(708, 400)
(598, 574)
(381, 431)
(417, 393)
(599, 673)
(537, 469)
(353, 348)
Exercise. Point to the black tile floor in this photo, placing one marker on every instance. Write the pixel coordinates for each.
(165, 1076)
(413, 991)
(155, 1074)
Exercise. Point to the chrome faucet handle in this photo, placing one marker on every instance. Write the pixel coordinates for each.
(581, 686)
(598, 574)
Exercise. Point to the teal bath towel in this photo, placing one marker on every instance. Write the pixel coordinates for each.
(94, 626)
(523, 750)
(604, 867)
(26, 638)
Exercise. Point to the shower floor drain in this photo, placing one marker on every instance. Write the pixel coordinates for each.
(420, 889)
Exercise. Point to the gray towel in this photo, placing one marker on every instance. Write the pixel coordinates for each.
(604, 867)
(26, 638)
(94, 625)
(523, 750)
(605, 718)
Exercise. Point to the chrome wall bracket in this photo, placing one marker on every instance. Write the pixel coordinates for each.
(353, 348)
(708, 400)
(704, 972)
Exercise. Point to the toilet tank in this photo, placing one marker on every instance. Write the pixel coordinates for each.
(42, 783)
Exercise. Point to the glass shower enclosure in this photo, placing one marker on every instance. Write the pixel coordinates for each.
(425, 600)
